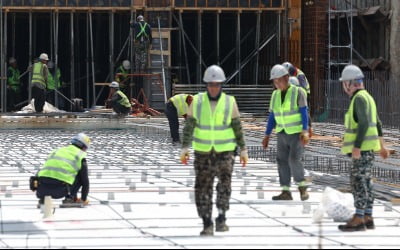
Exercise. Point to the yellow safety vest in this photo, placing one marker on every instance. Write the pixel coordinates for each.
(63, 164)
(213, 129)
(124, 101)
(13, 81)
(371, 141)
(287, 114)
(180, 103)
(37, 76)
(54, 83)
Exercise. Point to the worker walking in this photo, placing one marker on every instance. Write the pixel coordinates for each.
(296, 72)
(39, 82)
(143, 42)
(362, 138)
(13, 84)
(119, 101)
(288, 115)
(121, 75)
(53, 82)
(177, 106)
(214, 126)
(66, 172)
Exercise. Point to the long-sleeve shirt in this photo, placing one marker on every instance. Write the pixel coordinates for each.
(360, 116)
(83, 176)
(137, 30)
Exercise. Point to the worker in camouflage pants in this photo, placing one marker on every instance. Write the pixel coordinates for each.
(214, 127)
(141, 51)
(360, 181)
(143, 42)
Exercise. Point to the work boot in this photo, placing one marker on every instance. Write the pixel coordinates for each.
(68, 201)
(354, 225)
(284, 196)
(220, 225)
(303, 193)
(40, 203)
(208, 230)
(369, 222)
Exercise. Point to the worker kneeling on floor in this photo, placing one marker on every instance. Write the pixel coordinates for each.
(119, 101)
(65, 172)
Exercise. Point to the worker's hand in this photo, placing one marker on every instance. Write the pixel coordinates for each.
(384, 153)
(185, 156)
(244, 157)
(265, 142)
(356, 154)
(185, 116)
(310, 132)
(304, 137)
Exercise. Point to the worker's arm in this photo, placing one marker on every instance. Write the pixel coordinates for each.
(303, 106)
(303, 81)
(270, 124)
(150, 34)
(116, 98)
(188, 130)
(361, 117)
(237, 127)
(84, 178)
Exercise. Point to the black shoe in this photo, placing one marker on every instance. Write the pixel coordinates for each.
(369, 222)
(303, 193)
(284, 196)
(208, 231)
(220, 226)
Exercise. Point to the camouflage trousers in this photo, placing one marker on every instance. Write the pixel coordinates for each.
(207, 167)
(361, 183)
(141, 50)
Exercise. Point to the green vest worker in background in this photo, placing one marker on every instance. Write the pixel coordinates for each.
(119, 101)
(65, 172)
(363, 137)
(13, 85)
(177, 106)
(288, 115)
(121, 76)
(39, 82)
(54, 82)
(214, 126)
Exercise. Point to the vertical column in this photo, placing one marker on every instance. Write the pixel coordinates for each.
(72, 56)
(30, 55)
(258, 31)
(218, 36)
(199, 46)
(111, 37)
(238, 51)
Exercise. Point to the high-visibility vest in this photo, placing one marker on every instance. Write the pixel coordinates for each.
(180, 104)
(54, 83)
(13, 81)
(142, 31)
(63, 164)
(124, 101)
(287, 114)
(37, 76)
(307, 87)
(124, 73)
(371, 141)
(213, 130)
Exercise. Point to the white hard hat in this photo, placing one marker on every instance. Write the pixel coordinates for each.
(44, 56)
(50, 65)
(140, 18)
(12, 60)
(351, 72)
(214, 73)
(81, 140)
(278, 71)
(114, 85)
(126, 64)
(294, 81)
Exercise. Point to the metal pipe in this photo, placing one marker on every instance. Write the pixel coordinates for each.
(218, 35)
(184, 47)
(238, 51)
(111, 37)
(87, 64)
(72, 55)
(56, 27)
(258, 35)
(5, 58)
(30, 56)
(199, 44)
(162, 62)
(92, 57)
(2, 58)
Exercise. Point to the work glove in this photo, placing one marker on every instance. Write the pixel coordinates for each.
(185, 156)
(304, 137)
(265, 142)
(244, 157)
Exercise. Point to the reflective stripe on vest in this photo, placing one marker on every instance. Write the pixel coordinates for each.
(213, 130)
(180, 104)
(37, 76)
(287, 114)
(371, 140)
(64, 164)
(124, 101)
(142, 30)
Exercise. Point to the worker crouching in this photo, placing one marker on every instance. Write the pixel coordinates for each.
(119, 101)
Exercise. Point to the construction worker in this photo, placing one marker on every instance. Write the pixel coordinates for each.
(214, 126)
(362, 138)
(122, 75)
(177, 106)
(119, 101)
(53, 82)
(13, 84)
(39, 82)
(288, 115)
(66, 172)
(143, 42)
